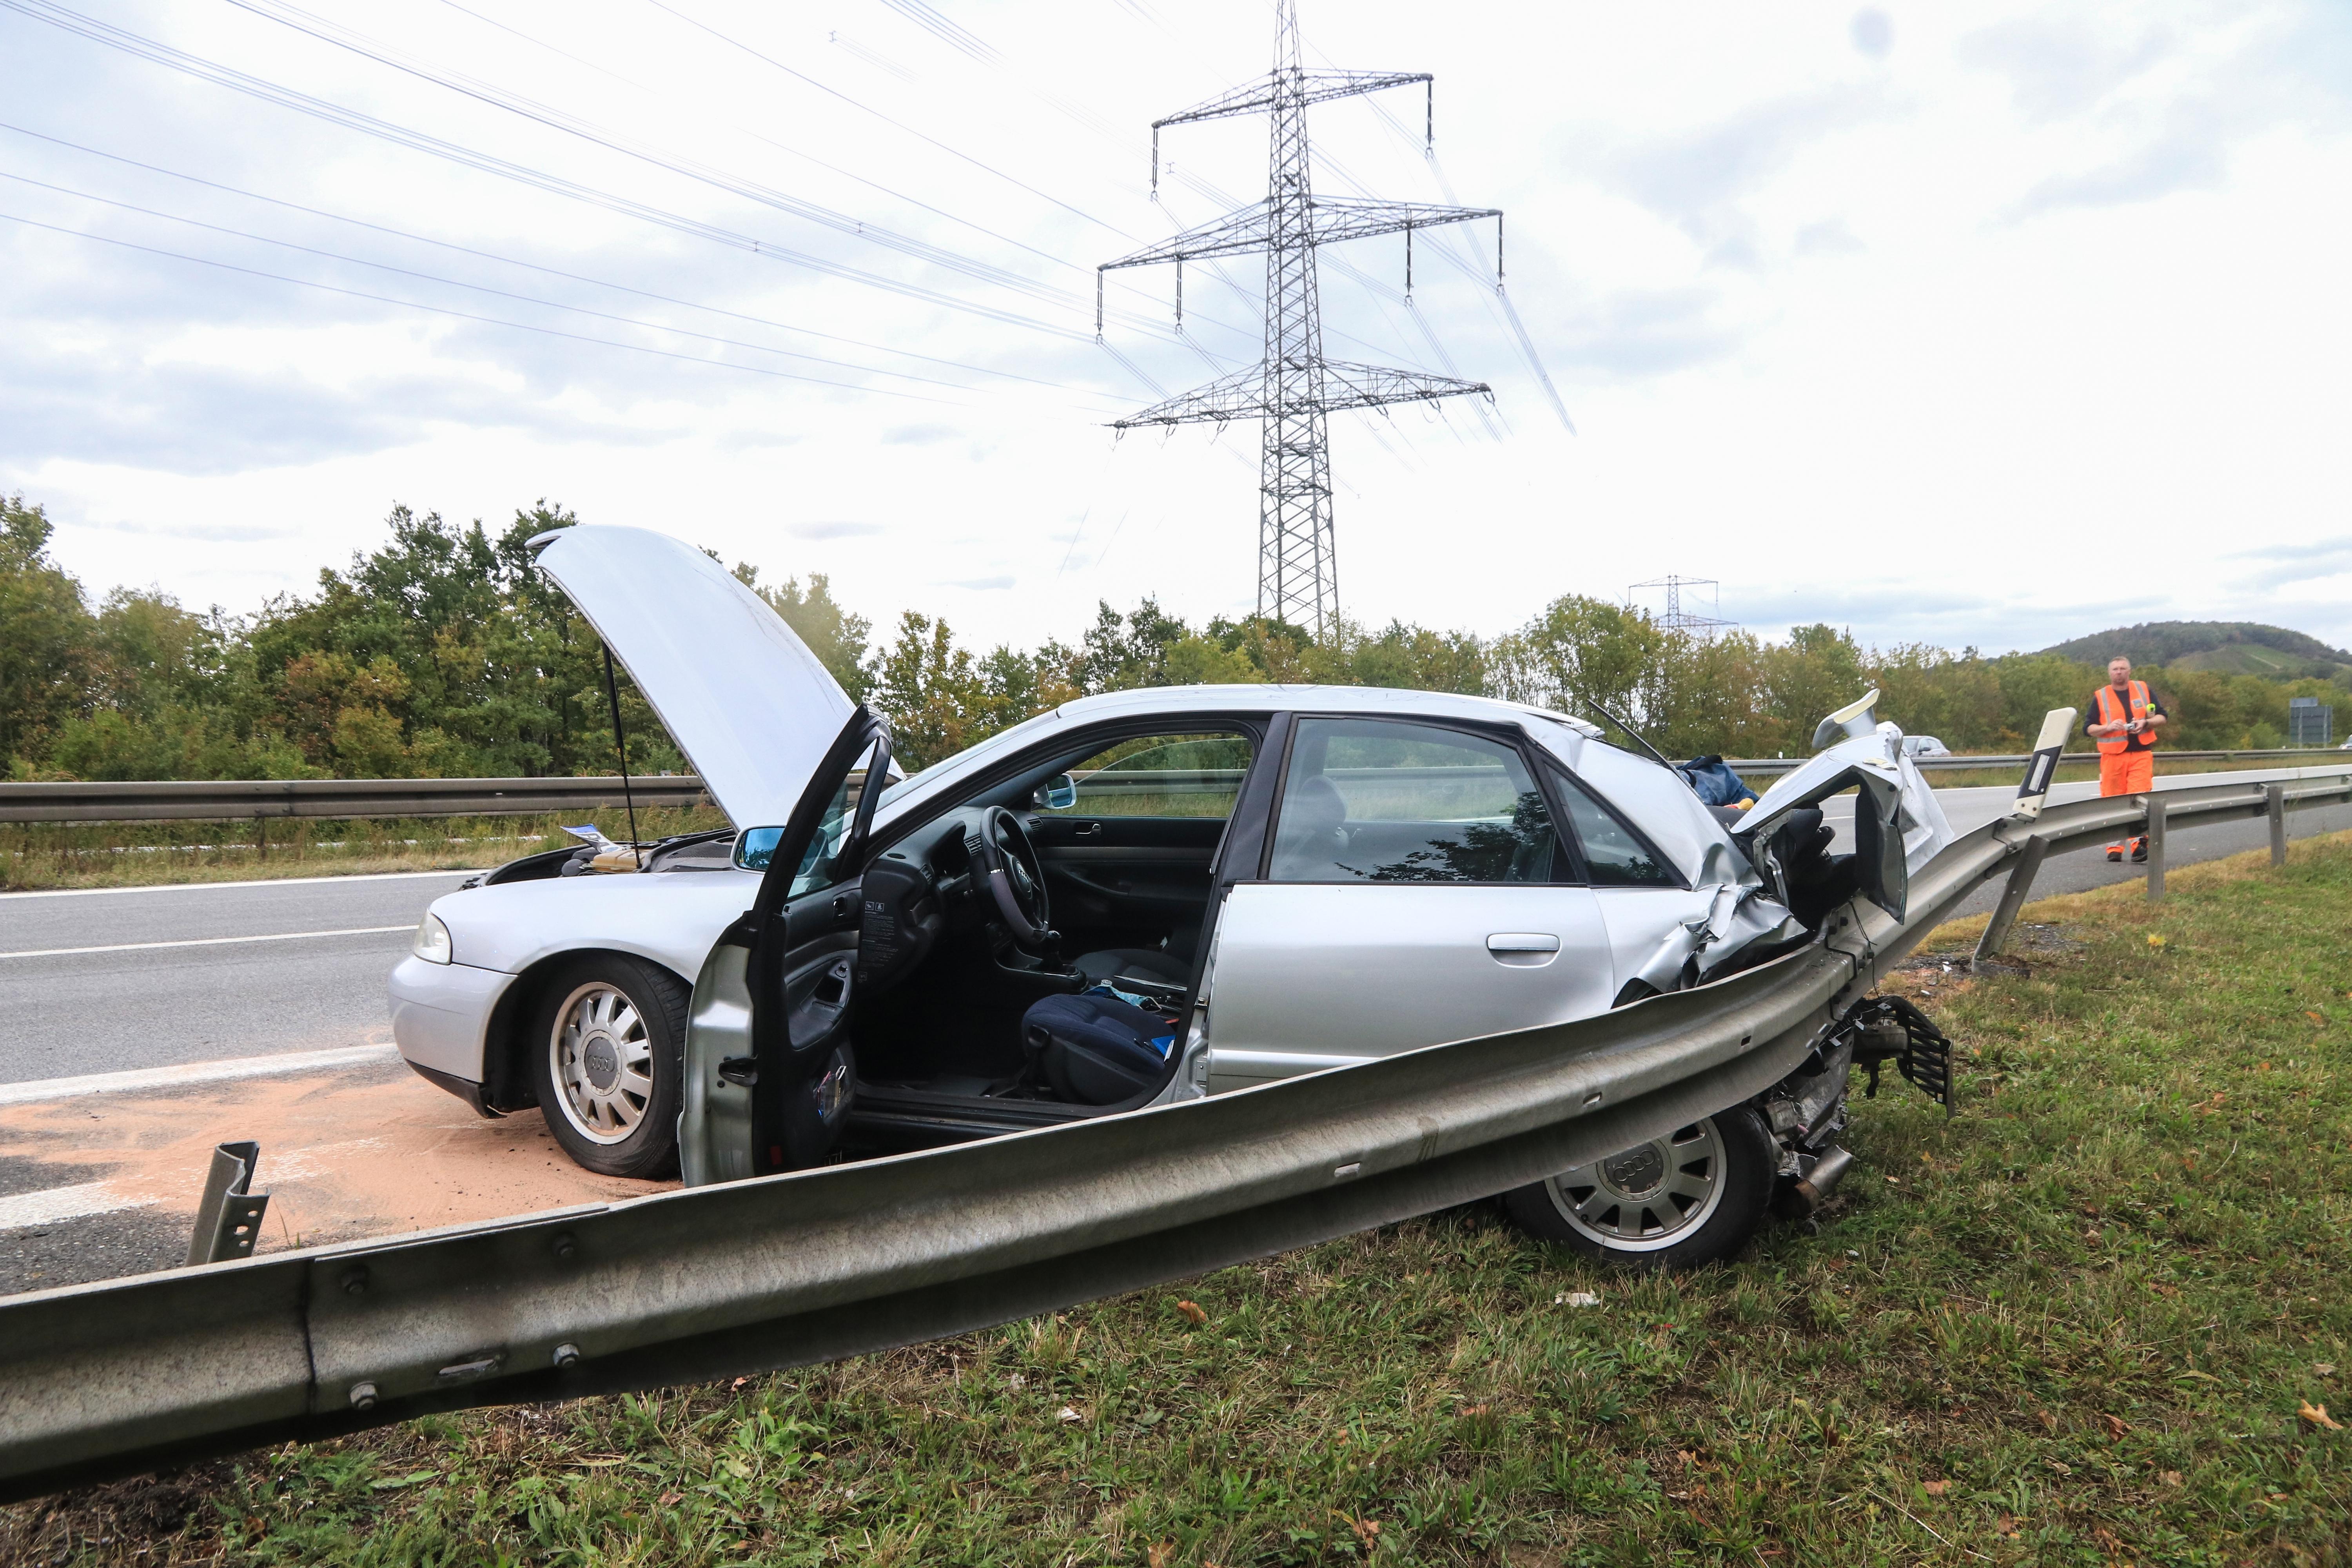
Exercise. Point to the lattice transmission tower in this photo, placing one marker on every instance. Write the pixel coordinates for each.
(1678, 619)
(1294, 390)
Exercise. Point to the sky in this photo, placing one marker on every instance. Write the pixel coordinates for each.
(1979, 326)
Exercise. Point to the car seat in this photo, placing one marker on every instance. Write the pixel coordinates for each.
(1095, 1049)
(1312, 834)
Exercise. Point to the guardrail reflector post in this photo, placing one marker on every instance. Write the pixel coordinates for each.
(228, 1217)
(2155, 848)
(2274, 804)
(2013, 899)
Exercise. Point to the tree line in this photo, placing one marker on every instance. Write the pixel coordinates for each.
(443, 653)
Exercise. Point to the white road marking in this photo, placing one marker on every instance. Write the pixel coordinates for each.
(57, 1203)
(194, 1073)
(205, 941)
(254, 882)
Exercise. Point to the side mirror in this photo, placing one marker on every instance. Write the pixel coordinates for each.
(1057, 794)
(755, 846)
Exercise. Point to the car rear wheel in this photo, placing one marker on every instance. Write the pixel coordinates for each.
(1693, 1196)
(607, 1059)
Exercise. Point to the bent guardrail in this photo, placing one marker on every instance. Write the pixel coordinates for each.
(240, 800)
(787, 1270)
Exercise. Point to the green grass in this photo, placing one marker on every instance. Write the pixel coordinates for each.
(2075, 1324)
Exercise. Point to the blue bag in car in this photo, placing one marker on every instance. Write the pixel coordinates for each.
(1096, 1050)
(1714, 781)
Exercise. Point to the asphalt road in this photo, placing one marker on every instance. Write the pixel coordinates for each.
(109, 980)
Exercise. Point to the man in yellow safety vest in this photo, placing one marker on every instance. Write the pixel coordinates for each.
(2123, 715)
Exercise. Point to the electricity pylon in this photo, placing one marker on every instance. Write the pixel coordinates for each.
(1295, 389)
(1676, 619)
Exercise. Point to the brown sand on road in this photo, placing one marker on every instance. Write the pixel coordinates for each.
(364, 1151)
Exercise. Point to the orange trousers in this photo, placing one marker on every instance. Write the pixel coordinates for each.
(2126, 773)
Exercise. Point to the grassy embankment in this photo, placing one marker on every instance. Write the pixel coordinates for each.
(2093, 1319)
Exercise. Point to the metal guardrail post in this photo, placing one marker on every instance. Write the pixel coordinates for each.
(228, 1217)
(2155, 813)
(2013, 899)
(2274, 807)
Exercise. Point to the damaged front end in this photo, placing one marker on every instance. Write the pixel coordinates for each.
(1897, 824)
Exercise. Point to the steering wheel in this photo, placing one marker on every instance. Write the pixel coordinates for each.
(1016, 878)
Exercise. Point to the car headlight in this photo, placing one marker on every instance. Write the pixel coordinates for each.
(432, 941)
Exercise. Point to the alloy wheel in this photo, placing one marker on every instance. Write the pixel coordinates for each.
(603, 1062)
(1648, 1197)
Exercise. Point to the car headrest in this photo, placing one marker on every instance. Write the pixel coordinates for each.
(1314, 805)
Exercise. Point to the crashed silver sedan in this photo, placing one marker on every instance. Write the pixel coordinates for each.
(1138, 897)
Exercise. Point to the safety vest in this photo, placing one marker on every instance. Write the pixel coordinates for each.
(2112, 708)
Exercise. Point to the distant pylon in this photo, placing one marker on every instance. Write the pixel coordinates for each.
(1676, 618)
(1295, 389)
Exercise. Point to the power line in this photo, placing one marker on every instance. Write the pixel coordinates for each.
(417, 140)
(470, 316)
(928, 140)
(865, 109)
(536, 267)
(801, 153)
(588, 131)
(485, 289)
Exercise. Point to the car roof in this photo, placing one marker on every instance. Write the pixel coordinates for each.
(1265, 697)
(1194, 700)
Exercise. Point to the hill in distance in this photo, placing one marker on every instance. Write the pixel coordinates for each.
(2226, 648)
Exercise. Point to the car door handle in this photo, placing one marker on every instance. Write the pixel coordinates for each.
(1086, 830)
(1522, 942)
(1523, 949)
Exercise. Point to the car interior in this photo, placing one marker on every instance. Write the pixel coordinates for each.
(1083, 876)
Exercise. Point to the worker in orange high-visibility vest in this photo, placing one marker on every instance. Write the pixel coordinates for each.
(2125, 715)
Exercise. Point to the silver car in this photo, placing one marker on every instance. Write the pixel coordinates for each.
(1138, 897)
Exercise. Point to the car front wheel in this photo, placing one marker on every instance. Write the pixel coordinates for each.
(607, 1053)
(1693, 1196)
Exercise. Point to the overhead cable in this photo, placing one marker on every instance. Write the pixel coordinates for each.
(785, 148)
(536, 267)
(470, 316)
(485, 289)
(417, 140)
(868, 108)
(301, 21)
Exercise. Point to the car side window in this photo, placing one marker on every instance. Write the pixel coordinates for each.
(1156, 775)
(1614, 856)
(1375, 800)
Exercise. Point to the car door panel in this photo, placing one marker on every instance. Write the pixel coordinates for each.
(1119, 873)
(1310, 976)
(1649, 931)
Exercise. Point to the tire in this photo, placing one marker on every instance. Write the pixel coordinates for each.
(607, 1056)
(1629, 1208)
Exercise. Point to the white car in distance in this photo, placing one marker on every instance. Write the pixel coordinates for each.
(1137, 898)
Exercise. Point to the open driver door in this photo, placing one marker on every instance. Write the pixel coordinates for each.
(771, 1066)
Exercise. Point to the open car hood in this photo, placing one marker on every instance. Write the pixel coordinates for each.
(751, 706)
